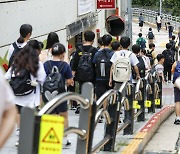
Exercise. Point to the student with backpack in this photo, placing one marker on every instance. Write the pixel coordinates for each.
(121, 64)
(58, 75)
(150, 36)
(142, 65)
(145, 58)
(102, 66)
(176, 74)
(46, 54)
(24, 75)
(159, 68)
(169, 60)
(25, 34)
(173, 44)
(83, 66)
(158, 22)
(141, 41)
(151, 53)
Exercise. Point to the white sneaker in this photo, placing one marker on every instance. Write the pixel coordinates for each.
(17, 143)
(17, 131)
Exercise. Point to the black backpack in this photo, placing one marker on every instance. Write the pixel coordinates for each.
(169, 57)
(150, 35)
(54, 83)
(149, 55)
(16, 50)
(103, 64)
(21, 82)
(141, 67)
(85, 69)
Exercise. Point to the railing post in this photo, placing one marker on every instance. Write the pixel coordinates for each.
(129, 115)
(91, 133)
(84, 118)
(159, 82)
(141, 117)
(113, 110)
(151, 96)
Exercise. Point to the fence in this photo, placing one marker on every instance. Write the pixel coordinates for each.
(134, 100)
(150, 16)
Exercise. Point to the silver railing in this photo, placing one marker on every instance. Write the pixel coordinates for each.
(150, 16)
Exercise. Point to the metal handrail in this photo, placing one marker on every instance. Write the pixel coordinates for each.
(80, 132)
(149, 89)
(125, 103)
(50, 106)
(149, 77)
(138, 93)
(106, 96)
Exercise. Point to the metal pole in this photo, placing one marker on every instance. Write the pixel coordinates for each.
(160, 9)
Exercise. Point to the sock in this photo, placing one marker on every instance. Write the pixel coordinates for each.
(178, 118)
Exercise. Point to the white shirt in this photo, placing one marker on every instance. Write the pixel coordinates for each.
(7, 98)
(133, 59)
(159, 68)
(146, 62)
(158, 19)
(32, 100)
(11, 48)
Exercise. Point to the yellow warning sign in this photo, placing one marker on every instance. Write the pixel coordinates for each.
(136, 105)
(157, 102)
(51, 134)
(148, 103)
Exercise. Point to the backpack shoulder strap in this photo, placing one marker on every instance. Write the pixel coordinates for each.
(61, 66)
(49, 66)
(90, 49)
(81, 49)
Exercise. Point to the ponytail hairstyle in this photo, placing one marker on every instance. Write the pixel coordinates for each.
(25, 29)
(28, 59)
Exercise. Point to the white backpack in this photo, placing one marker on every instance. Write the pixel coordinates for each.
(122, 68)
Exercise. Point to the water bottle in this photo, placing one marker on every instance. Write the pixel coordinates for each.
(102, 68)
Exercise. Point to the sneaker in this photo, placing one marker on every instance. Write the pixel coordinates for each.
(100, 120)
(17, 143)
(177, 122)
(17, 131)
(66, 145)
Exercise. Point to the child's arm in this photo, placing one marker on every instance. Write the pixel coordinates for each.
(110, 77)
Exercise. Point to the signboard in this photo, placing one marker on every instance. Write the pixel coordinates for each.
(85, 6)
(106, 4)
(51, 134)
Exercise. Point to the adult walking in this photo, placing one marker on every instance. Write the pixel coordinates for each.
(158, 22)
(141, 21)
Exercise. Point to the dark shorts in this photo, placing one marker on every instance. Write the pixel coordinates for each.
(141, 24)
(19, 108)
(61, 108)
(101, 88)
(176, 94)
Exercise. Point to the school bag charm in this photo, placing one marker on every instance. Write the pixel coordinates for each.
(122, 68)
(54, 83)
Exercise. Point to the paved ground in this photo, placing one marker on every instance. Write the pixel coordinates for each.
(161, 39)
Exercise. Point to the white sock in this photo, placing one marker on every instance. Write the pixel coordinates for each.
(178, 117)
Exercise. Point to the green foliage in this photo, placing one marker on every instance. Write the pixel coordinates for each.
(169, 6)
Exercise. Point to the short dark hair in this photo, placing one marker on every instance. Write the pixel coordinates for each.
(159, 57)
(115, 45)
(140, 13)
(168, 46)
(89, 36)
(125, 42)
(168, 23)
(51, 39)
(136, 48)
(106, 39)
(173, 37)
(150, 29)
(100, 41)
(35, 44)
(58, 49)
(143, 51)
(151, 45)
(140, 34)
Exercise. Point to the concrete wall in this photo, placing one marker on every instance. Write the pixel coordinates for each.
(45, 16)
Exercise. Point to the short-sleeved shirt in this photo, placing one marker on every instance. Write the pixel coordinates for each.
(133, 59)
(66, 71)
(159, 68)
(6, 95)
